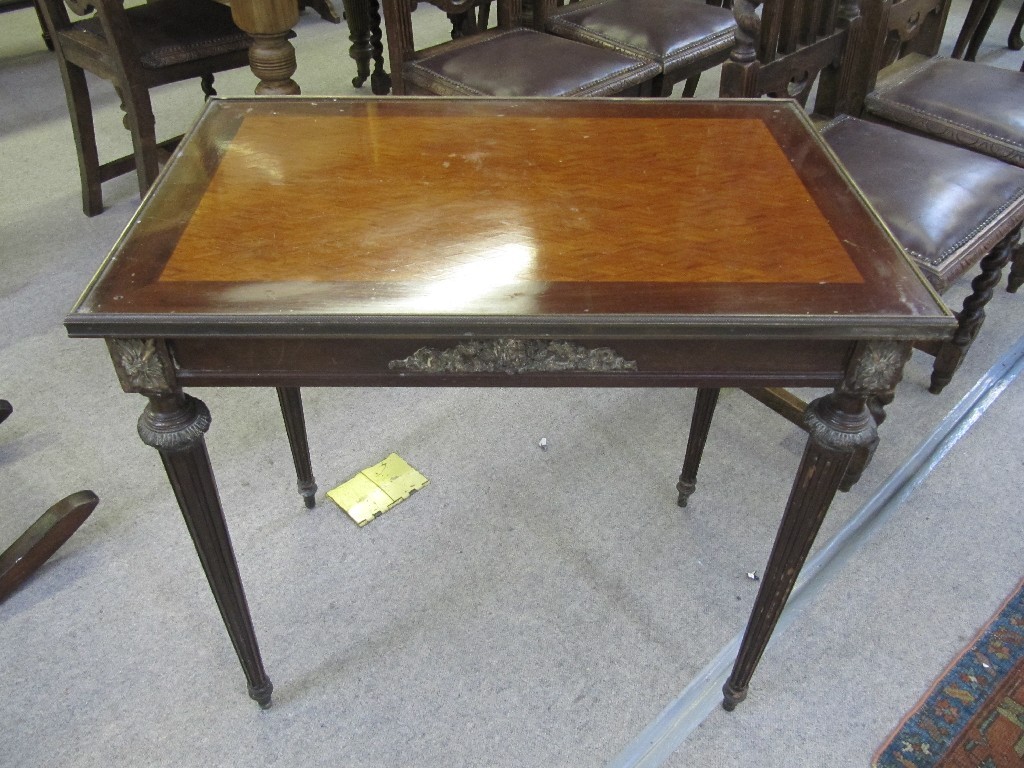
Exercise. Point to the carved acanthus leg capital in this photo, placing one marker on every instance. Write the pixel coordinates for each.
(840, 422)
(174, 423)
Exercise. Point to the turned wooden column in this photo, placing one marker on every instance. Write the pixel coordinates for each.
(972, 314)
(271, 55)
(364, 28)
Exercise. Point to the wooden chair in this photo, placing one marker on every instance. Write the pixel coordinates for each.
(510, 60)
(136, 49)
(949, 208)
(684, 37)
(960, 102)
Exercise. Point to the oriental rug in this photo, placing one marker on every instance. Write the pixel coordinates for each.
(973, 716)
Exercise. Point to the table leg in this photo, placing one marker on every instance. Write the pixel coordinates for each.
(295, 425)
(174, 424)
(838, 424)
(700, 425)
(271, 55)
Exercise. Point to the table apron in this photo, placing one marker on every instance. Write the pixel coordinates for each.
(478, 362)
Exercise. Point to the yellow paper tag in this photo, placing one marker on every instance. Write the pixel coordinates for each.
(377, 489)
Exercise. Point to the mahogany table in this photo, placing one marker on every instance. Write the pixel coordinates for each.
(531, 243)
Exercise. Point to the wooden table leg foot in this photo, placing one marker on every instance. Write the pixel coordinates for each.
(261, 694)
(175, 423)
(732, 696)
(43, 538)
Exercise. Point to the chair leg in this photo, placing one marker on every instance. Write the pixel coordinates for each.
(983, 26)
(690, 86)
(951, 353)
(1016, 279)
(206, 83)
(974, 19)
(1014, 41)
(76, 90)
(47, 40)
(141, 123)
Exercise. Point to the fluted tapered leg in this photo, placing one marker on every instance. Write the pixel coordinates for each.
(174, 424)
(700, 425)
(295, 425)
(838, 425)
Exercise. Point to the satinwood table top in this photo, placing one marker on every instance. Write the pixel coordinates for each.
(333, 216)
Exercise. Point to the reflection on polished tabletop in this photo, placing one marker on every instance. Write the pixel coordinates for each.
(354, 207)
(482, 242)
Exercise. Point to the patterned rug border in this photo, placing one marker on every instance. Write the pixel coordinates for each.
(940, 715)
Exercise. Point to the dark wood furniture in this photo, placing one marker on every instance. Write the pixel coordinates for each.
(511, 60)
(135, 49)
(980, 15)
(961, 102)
(45, 536)
(772, 271)
(683, 37)
(950, 208)
(42, 539)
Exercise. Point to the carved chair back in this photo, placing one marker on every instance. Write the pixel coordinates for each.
(792, 46)
(894, 29)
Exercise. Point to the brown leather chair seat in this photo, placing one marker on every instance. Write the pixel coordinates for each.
(969, 104)
(684, 37)
(523, 62)
(947, 206)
